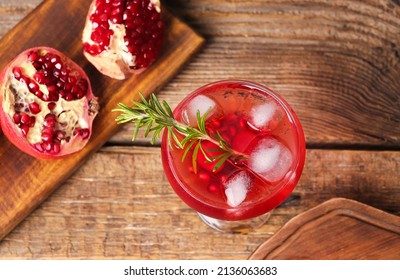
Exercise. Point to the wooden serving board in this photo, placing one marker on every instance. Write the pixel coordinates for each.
(337, 229)
(24, 181)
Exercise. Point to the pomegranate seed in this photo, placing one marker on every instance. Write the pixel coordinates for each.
(48, 56)
(39, 147)
(49, 123)
(213, 188)
(32, 121)
(58, 66)
(224, 178)
(37, 65)
(39, 77)
(50, 116)
(117, 3)
(56, 73)
(24, 130)
(138, 21)
(74, 89)
(60, 135)
(56, 148)
(103, 17)
(48, 130)
(62, 94)
(35, 108)
(60, 84)
(69, 96)
(55, 59)
(33, 56)
(45, 98)
(64, 71)
(17, 72)
(51, 105)
(79, 94)
(39, 94)
(24, 79)
(52, 89)
(25, 118)
(205, 177)
(71, 79)
(116, 19)
(53, 96)
(47, 146)
(68, 87)
(33, 87)
(160, 24)
(48, 65)
(17, 118)
(46, 137)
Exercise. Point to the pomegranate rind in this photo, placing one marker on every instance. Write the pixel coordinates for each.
(110, 62)
(14, 133)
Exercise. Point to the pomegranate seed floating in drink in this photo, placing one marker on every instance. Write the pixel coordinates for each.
(47, 104)
(123, 37)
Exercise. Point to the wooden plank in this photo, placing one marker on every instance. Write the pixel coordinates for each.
(337, 229)
(336, 62)
(119, 205)
(25, 181)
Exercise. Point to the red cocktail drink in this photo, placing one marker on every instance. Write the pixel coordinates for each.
(268, 144)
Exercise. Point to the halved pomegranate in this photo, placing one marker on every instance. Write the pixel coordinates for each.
(46, 103)
(123, 37)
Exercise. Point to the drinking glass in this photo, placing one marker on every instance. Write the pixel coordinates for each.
(268, 155)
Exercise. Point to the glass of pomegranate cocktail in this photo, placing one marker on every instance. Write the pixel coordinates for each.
(234, 188)
(232, 150)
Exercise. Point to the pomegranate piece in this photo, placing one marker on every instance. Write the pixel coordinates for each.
(123, 37)
(46, 104)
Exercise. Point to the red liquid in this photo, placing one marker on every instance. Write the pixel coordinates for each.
(255, 122)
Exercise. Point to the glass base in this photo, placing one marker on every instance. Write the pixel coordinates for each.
(242, 226)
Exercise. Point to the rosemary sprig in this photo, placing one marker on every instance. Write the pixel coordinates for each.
(156, 115)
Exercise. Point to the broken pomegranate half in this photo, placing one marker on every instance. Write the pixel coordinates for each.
(47, 105)
(123, 37)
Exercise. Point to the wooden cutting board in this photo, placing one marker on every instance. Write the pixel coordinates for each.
(337, 229)
(24, 181)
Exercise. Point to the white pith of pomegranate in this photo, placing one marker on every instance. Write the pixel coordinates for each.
(47, 104)
(123, 37)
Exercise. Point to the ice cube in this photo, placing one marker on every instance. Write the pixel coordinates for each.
(271, 159)
(236, 188)
(265, 116)
(200, 103)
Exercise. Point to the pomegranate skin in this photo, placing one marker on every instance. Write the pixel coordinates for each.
(51, 112)
(129, 42)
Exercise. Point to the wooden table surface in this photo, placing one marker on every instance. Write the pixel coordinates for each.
(336, 62)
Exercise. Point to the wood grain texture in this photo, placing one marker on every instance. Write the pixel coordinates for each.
(25, 181)
(337, 64)
(365, 233)
(119, 205)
